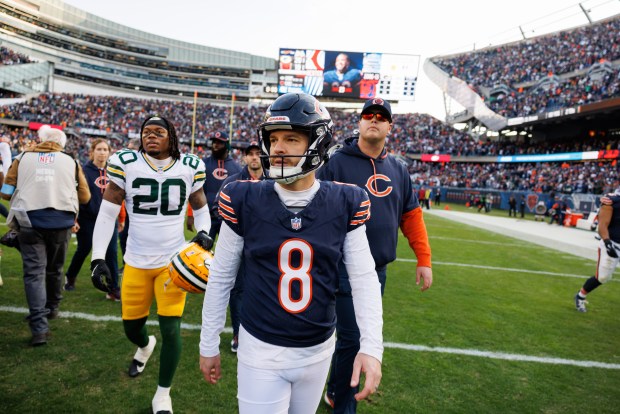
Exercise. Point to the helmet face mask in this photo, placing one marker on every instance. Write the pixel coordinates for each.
(304, 114)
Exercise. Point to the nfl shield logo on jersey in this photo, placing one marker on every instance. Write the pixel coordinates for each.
(296, 223)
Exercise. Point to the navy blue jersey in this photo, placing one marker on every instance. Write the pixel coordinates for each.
(614, 224)
(389, 186)
(217, 171)
(97, 183)
(291, 259)
(244, 174)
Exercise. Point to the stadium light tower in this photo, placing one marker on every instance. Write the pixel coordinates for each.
(586, 12)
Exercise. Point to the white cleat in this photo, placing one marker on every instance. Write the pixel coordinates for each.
(141, 357)
(162, 404)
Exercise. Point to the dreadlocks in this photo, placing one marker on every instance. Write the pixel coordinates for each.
(172, 134)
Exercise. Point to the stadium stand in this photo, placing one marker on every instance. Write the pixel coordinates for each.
(412, 134)
(88, 50)
(10, 57)
(543, 74)
(561, 70)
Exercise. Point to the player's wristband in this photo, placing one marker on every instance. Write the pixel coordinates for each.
(104, 228)
(202, 219)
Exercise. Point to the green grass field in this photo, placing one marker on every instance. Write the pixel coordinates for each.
(479, 341)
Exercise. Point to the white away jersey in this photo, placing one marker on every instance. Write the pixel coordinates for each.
(156, 202)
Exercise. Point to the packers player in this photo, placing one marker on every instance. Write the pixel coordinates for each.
(156, 182)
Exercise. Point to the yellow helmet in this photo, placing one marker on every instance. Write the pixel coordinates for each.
(189, 268)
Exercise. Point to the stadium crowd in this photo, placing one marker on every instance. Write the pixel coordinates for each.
(522, 65)
(588, 177)
(533, 59)
(567, 178)
(10, 57)
(411, 134)
(569, 93)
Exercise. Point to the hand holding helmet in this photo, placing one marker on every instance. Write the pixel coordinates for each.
(203, 240)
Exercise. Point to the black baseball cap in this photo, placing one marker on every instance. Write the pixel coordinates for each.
(378, 103)
(253, 144)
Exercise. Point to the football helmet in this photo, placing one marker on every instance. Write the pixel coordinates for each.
(189, 268)
(299, 112)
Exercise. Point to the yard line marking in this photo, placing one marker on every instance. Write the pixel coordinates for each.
(522, 245)
(504, 269)
(98, 318)
(504, 356)
(393, 345)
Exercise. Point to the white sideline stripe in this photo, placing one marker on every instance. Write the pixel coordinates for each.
(97, 318)
(420, 348)
(504, 356)
(505, 269)
(522, 245)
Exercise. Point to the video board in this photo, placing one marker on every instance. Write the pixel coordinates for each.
(357, 75)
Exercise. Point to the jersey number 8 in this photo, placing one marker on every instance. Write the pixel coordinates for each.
(299, 274)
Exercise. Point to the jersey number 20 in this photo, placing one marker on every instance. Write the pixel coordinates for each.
(299, 274)
(155, 193)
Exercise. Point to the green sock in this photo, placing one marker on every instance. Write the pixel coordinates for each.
(170, 327)
(135, 330)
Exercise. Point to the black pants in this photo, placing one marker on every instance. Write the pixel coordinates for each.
(85, 245)
(347, 344)
(43, 255)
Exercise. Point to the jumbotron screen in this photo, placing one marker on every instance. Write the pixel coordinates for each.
(357, 75)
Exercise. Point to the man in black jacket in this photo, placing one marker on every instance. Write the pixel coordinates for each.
(253, 170)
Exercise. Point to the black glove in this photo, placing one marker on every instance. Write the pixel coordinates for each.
(10, 239)
(203, 240)
(611, 250)
(101, 276)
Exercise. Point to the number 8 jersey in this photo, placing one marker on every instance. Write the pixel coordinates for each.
(156, 202)
(291, 259)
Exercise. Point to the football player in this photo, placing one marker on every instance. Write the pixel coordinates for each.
(608, 256)
(365, 162)
(156, 181)
(291, 231)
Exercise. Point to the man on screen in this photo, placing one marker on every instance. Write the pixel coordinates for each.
(342, 76)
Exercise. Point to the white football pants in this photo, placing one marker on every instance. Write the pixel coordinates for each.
(292, 391)
(606, 264)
